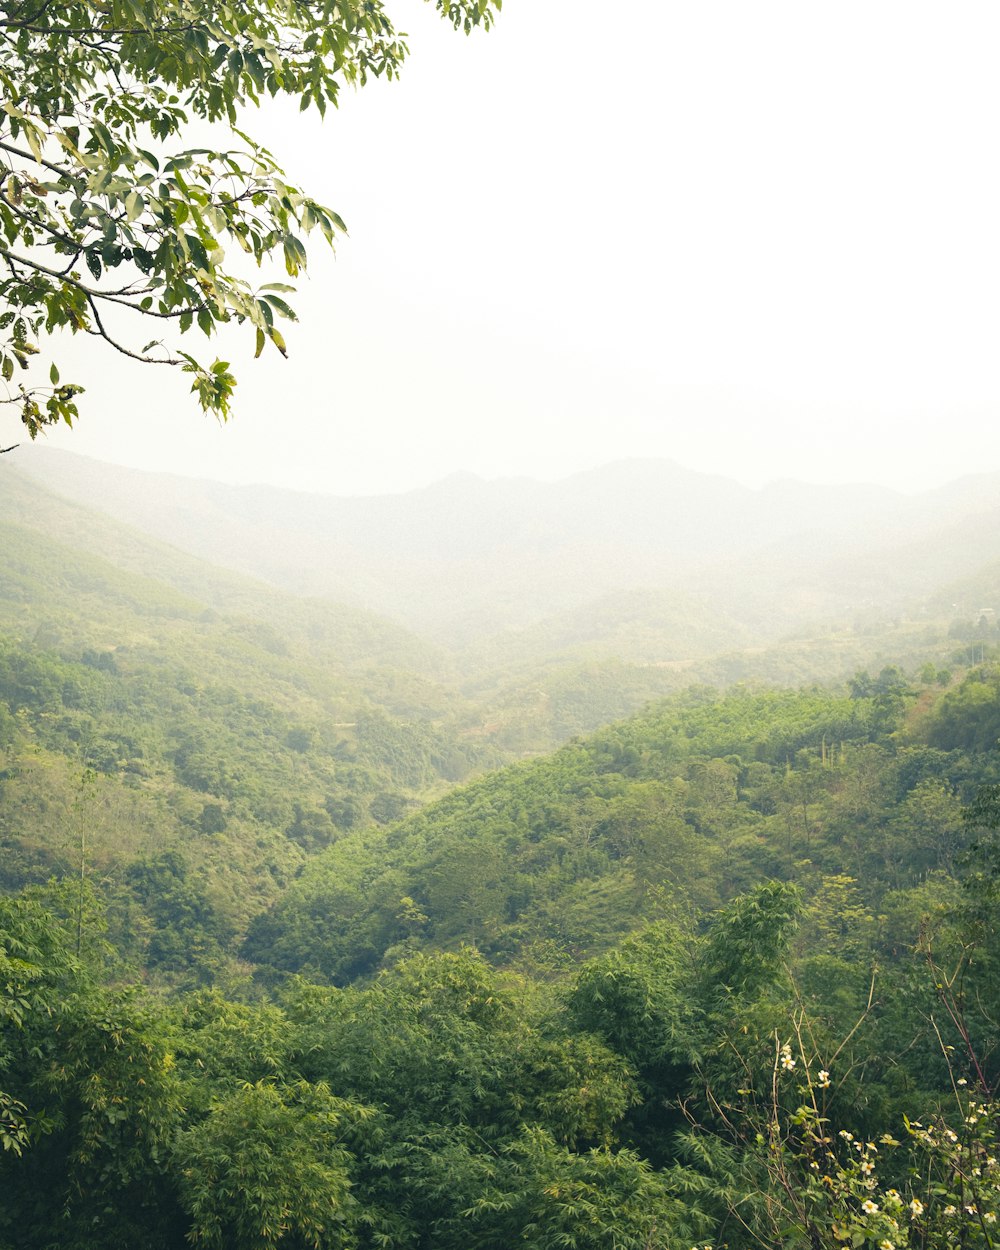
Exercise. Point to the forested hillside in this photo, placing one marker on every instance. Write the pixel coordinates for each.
(317, 934)
(202, 740)
(734, 980)
(675, 811)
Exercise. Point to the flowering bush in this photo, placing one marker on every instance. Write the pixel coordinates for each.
(942, 1190)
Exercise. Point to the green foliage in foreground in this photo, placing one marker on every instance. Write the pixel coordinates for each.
(686, 1087)
(442, 1104)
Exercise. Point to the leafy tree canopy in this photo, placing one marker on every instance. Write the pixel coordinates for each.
(107, 222)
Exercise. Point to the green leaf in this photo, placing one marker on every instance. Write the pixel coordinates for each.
(198, 253)
(34, 142)
(283, 308)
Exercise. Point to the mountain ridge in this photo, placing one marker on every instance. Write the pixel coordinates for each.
(465, 558)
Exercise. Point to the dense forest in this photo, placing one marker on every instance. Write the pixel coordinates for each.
(314, 933)
(602, 863)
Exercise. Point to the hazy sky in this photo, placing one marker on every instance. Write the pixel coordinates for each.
(759, 238)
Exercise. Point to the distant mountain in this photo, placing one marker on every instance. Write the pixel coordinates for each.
(465, 560)
(341, 636)
(635, 626)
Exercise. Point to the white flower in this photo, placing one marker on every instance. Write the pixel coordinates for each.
(962, 1081)
(949, 1210)
(886, 1245)
(869, 1207)
(916, 1208)
(989, 1217)
(823, 1078)
(867, 1166)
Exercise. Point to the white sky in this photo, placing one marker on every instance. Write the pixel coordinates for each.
(757, 237)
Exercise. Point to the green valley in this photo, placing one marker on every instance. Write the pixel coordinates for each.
(316, 931)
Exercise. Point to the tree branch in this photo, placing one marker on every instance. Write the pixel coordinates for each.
(110, 297)
(101, 332)
(35, 160)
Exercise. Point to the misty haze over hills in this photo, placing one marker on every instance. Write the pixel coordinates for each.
(466, 559)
